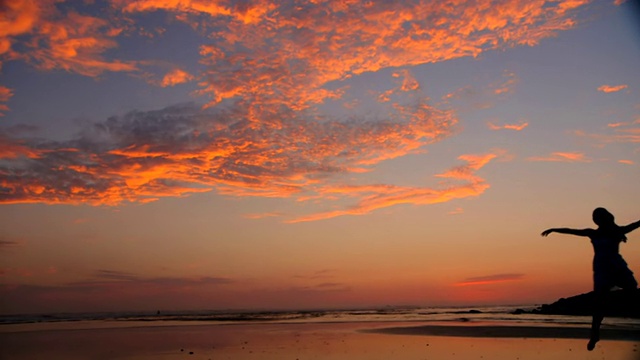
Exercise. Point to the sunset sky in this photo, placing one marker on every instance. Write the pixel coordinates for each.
(192, 154)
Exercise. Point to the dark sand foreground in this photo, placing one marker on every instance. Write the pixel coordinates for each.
(335, 341)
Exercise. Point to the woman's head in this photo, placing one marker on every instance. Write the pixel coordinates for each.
(602, 217)
(605, 221)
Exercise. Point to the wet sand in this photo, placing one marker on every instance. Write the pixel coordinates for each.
(335, 341)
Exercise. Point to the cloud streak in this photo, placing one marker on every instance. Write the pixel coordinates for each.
(8, 243)
(562, 157)
(621, 132)
(517, 127)
(373, 197)
(612, 88)
(114, 290)
(489, 279)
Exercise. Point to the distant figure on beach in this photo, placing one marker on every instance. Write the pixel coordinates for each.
(609, 268)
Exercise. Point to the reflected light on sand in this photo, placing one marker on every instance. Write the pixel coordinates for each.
(333, 341)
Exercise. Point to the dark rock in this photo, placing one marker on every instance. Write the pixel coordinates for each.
(472, 311)
(617, 304)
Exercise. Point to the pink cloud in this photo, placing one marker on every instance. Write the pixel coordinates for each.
(623, 124)
(507, 85)
(516, 127)
(490, 279)
(263, 215)
(612, 88)
(562, 157)
(624, 132)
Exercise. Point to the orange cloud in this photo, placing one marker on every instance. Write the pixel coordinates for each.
(482, 96)
(516, 127)
(620, 124)
(52, 39)
(272, 64)
(628, 162)
(18, 17)
(184, 149)
(330, 40)
(12, 149)
(507, 85)
(263, 215)
(408, 84)
(209, 7)
(612, 88)
(373, 197)
(562, 157)
(175, 77)
(623, 132)
(614, 125)
(74, 43)
(5, 95)
(490, 279)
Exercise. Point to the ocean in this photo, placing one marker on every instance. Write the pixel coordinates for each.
(503, 315)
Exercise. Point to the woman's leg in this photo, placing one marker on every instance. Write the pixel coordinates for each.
(599, 297)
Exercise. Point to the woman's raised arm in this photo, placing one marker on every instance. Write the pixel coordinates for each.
(577, 232)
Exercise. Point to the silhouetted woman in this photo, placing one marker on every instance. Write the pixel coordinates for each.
(609, 268)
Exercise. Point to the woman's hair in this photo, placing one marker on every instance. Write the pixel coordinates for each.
(606, 222)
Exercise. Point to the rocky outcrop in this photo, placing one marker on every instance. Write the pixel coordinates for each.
(618, 304)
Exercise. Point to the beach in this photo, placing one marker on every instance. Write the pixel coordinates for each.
(310, 340)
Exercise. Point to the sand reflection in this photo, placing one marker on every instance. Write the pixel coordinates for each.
(331, 341)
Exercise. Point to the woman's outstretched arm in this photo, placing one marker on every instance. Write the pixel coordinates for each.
(577, 232)
(629, 228)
